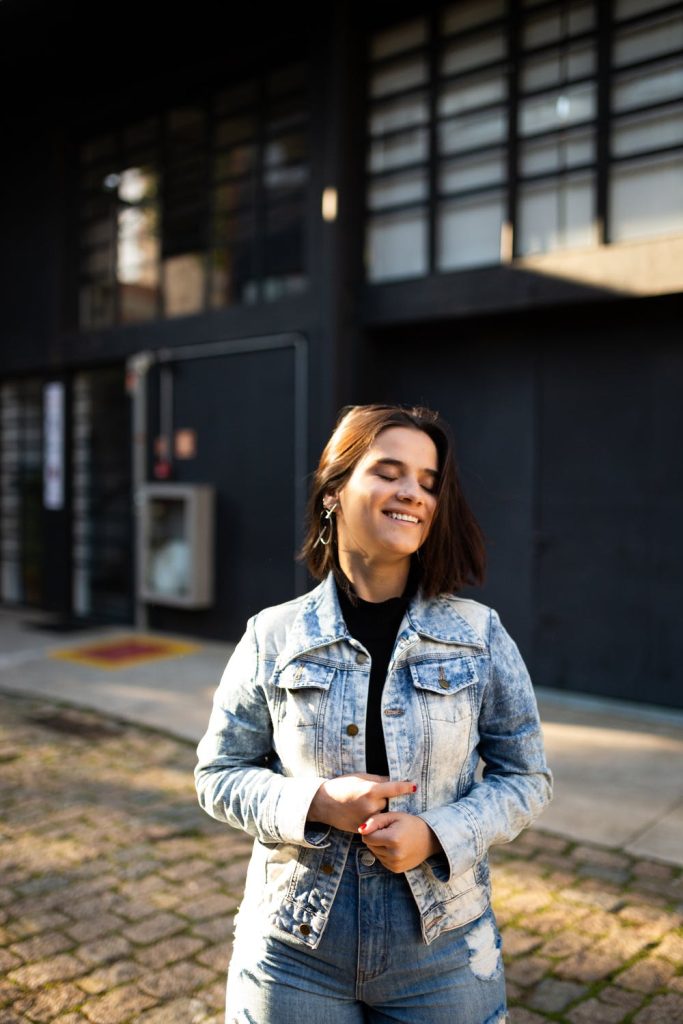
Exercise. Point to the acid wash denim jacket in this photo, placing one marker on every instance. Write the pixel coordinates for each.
(289, 713)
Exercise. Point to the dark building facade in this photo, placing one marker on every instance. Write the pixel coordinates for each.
(218, 232)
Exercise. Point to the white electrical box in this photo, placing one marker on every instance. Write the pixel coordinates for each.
(176, 544)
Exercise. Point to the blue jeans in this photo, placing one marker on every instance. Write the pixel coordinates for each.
(371, 966)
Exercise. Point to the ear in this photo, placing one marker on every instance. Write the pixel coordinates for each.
(330, 498)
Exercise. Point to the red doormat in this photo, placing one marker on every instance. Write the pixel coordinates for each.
(124, 651)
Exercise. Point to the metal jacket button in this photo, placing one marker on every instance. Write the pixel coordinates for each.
(367, 858)
(327, 868)
(304, 929)
(352, 729)
(361, 658)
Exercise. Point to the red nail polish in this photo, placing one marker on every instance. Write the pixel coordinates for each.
(362, 827)
(414, 788)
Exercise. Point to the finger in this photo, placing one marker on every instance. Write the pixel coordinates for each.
(389, 789)
(376, 822)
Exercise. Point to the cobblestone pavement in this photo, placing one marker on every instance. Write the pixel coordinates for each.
(117, 893)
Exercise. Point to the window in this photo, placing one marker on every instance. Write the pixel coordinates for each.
(201, 207)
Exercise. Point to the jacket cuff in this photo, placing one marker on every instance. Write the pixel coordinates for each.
(460, 840)
(294, 801)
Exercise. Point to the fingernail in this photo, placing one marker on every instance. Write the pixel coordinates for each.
(414, 788)
(361, 828)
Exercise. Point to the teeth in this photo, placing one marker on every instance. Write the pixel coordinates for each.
(404, 518)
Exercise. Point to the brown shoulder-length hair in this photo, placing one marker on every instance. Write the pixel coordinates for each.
(453, 554)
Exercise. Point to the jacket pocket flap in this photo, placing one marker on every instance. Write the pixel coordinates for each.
(304, 674)
(444, 677)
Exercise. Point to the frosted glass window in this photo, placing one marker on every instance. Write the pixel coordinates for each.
(395, 40)
(556, 215)
(473, 53)
(648, 131)
(463, 133)
(403, 75)
(399, 188)
(555, 109)
(556, 67)
(462, 16)
(402, 113)
(641, 88)
(472, 93)
(468, 232)
(398, 150)
(184, 282)
(630, 8)
(661, 37)
(557, 24)
(473, 172)
(397, 246)
(646, 199)
(557, 154)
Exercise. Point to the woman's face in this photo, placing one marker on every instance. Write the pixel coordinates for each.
(386, 507)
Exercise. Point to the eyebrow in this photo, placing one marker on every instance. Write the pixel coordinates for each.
(401, 465)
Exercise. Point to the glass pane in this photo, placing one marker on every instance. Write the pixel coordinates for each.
(473, 52)
(462, 16)
(398, 77)
(409, 147)
(397, 246)
(647, 131)
(557, 108)
(232, 278)
(629, 8)
(396, 40)
(651, 85)
(557, 154)
(233, 194)
(472, 172)
(137, 183)
(234, 129)
(556, 215)
(287, 149)
(403, 113)
(183, 284)
(646, 199)
(234, 162)
(458, 97)
(96, 305)
(138, 247)
(468, 232)
(275, 288)
(555, 67)
(463, 133)
(399, 188)
(139, 300)
(663, 36)
(284, 248)
(285, 178)
(557, 24)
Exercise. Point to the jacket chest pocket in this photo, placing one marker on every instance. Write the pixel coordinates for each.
(302, 688)
(447, 688)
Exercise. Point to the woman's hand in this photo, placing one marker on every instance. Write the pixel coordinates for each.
(399, 841)
(348, 800)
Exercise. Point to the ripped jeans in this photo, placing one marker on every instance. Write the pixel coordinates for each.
(372, 966)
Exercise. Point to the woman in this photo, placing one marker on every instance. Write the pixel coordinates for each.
(345, 736)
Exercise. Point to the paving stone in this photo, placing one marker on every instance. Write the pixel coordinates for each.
(216, 957)
(55, 1000)
(154, 928)
(41, 946)
(598, 855)
(105, 978)
(104, 951)
(552, 996)
(653, 869)
(671, 947)
(94, 927)
(35, 924)
(118, 1005)
(518, 1015)
(8, 960)
(517, 942)
(57, 968)
(528, 970)
(662, 1010)
(215, 929)
(179, 1011)
(210, 906)
(594, 1011)
(180, 979)
(184, 869)
(647, 975)
(179, 947)
(628, 1001)
(566, 944)
(214, 994)
(591, 964)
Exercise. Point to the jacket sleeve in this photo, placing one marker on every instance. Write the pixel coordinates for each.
(516, 783)
(233, 781)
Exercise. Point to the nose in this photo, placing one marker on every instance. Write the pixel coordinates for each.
(409, 491)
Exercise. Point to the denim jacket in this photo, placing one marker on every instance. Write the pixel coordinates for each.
(290, 712)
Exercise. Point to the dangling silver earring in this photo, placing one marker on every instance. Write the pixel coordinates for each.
(326, 524)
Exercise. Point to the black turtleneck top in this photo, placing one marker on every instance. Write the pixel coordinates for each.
(375, 625)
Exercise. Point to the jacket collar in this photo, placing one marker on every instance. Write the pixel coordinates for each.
(319, 622)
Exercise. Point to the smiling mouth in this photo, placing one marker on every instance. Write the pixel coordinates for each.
(402, 517)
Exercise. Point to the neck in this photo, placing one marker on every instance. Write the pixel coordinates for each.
(375, 582)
